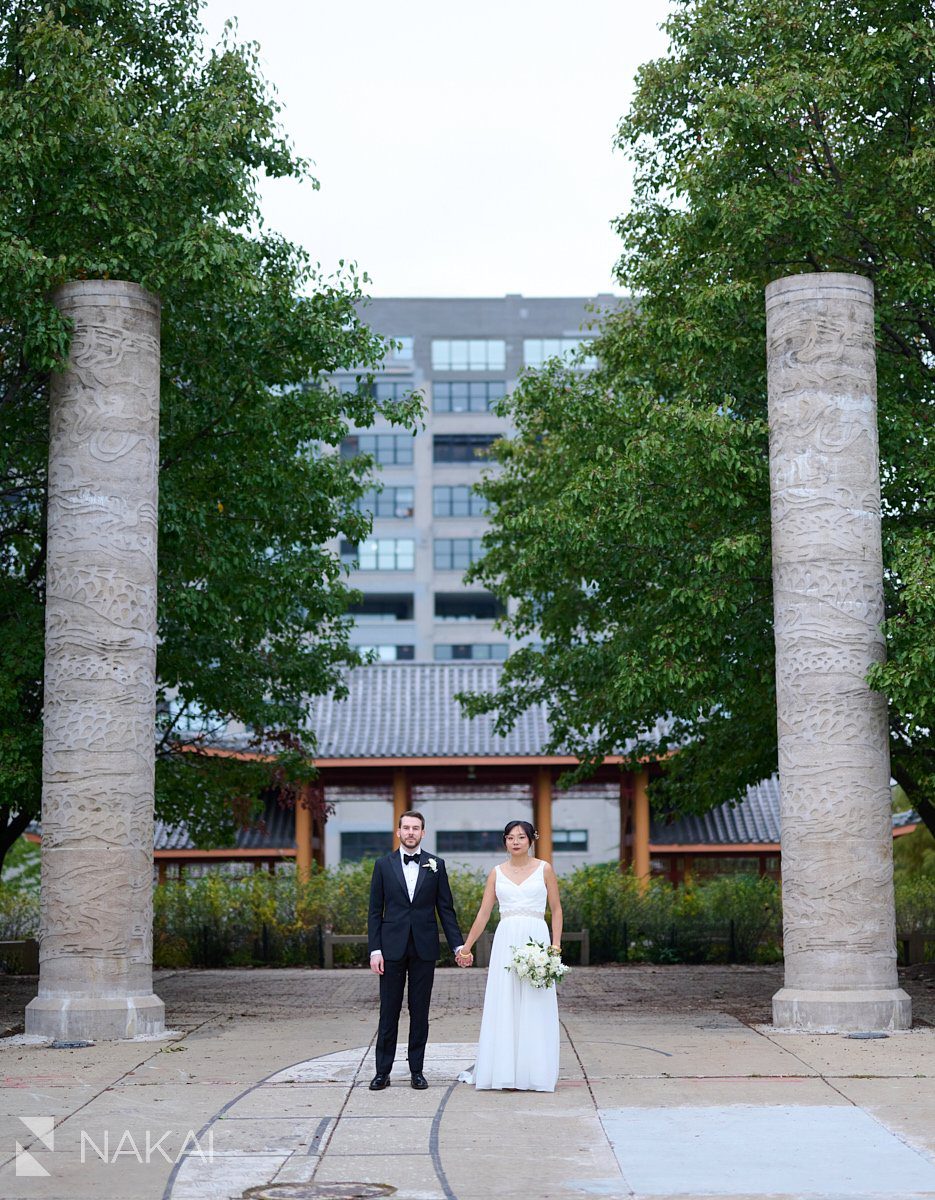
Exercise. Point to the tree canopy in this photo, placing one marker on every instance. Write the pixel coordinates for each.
(129, 150)
(631, 510)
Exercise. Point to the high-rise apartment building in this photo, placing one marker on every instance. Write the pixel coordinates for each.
(463, 355)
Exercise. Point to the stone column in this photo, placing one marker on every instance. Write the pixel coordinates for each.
(95, 971)
(834, 770)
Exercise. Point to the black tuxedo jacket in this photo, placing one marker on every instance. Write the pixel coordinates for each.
(393, 917)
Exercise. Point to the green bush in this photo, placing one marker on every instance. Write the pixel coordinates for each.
(730, 918)
(21, 866)
(606, 903)
(467, 889)
(915, 903)
(204, 914)
(914, 854)
(19, 914)
(254, 919)
(261, 919)
(257, 918)
(747, 908)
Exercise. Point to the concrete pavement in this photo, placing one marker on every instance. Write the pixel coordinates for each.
(260, 1091)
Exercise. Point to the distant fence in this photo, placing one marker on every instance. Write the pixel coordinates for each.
(913, 947)
(20, 957)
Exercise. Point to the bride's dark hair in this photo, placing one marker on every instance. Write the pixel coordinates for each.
(531, 833)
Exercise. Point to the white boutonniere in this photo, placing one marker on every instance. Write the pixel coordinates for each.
(432, 866)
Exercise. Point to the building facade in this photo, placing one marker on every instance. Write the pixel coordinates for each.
(462, 355)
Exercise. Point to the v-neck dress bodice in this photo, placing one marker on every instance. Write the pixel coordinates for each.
(525, 899)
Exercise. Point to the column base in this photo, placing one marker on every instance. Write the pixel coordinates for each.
(842, 1011)
(95, 1018)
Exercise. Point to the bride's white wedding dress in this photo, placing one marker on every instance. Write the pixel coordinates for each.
(519, 1039)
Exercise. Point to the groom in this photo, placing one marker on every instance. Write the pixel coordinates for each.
(407, 889)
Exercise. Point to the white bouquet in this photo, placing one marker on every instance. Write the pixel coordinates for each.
(537, 964)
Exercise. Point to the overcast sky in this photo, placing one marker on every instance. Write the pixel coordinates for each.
(462, 149)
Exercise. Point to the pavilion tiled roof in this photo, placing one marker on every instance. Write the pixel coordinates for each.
(277, 831)
(754, 819)
(409, 710)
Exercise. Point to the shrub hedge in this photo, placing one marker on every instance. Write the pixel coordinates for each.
(218, 920)
(19, 913)
(260, 919)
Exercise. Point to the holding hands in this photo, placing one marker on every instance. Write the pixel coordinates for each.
(464, 958)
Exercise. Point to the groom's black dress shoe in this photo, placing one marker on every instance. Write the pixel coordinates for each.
(418, 1081)
(379, 1082)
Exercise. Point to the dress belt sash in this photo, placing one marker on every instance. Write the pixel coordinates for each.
(522, 912)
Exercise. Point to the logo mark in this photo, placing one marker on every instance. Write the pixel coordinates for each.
(44, 1129)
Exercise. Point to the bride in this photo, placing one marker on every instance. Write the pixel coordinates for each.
(519, 1040)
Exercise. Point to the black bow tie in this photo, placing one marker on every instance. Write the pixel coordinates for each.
(408, 858)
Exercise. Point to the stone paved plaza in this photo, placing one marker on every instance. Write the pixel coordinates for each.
(671, 1085)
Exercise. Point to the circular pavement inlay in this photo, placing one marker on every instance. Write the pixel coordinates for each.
(260, 1154)
(319, 1191)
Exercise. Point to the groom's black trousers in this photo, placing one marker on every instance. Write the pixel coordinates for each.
(420, 974)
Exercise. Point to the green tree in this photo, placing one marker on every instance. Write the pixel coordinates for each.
(128, 150)
(631, 520)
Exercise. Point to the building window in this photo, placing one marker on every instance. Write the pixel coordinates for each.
(392, 389)
(386, 652)
(382, 389)
(389, 606)
(352, 387)
(402, 351)
(573, 840)
(368, 844)
(537, 351)
(462, 447)
(468, 354)
(704, 865)
(469, 841)
(457, 554)
(467, 395)
(476, 652)
(467, 606)
(387, 502)
(189, 717)
(388, 449)
(459, 501)
(380, 554)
